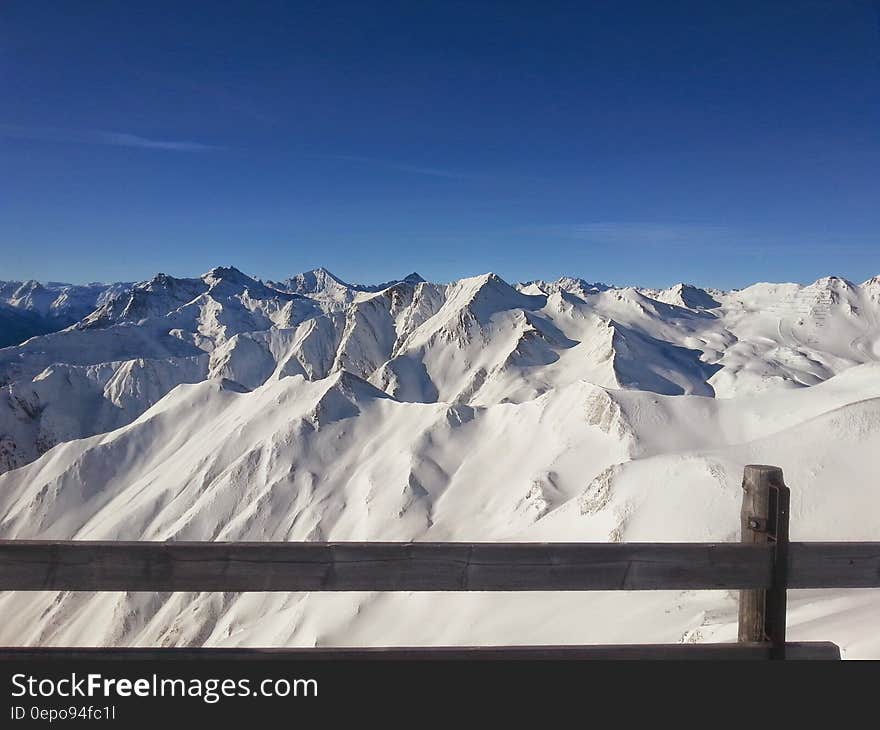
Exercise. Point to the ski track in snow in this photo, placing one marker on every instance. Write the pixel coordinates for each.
(226, 408)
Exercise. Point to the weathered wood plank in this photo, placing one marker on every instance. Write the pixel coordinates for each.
(741, 651)
(179, 566)
(834, 565)
(154, 566)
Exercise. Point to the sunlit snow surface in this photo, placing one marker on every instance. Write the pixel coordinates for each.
(225, 408)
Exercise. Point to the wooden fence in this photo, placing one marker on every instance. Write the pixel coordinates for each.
(762, 566)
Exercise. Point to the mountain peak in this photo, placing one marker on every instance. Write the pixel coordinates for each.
(488, 293)
(833, 282)
(226, 273)
(315, 281)
(682, 295)
(324, 273)
(694, 297)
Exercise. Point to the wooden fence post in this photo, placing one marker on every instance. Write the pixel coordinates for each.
(764, 520)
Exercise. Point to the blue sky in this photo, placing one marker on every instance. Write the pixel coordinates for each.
(719, 143)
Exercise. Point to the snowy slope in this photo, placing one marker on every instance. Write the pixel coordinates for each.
(225, 408)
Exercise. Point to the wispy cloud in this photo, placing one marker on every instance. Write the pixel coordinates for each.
(99, 137)
(710, 238)
(405, 167)
(657, 233)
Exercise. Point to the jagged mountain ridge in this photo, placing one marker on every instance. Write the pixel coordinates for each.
(477, 341)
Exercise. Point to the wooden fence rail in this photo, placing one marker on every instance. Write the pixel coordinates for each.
(763, 566)
(353, 566)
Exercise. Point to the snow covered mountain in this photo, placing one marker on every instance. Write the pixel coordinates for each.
(29, 308)
(226, 408)
(323, 285)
